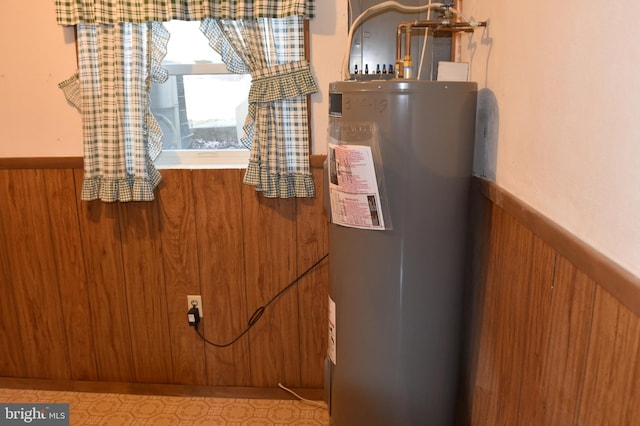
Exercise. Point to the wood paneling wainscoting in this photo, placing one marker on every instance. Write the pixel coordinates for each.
(96, 291)
(553, 327)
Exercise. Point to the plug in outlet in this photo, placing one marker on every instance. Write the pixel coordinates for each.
(197, 300)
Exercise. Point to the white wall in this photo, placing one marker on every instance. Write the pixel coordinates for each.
(35, 55)
(560, 114)
(35, 117)
(328, 40)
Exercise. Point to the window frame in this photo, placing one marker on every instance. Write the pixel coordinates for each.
(219, 159)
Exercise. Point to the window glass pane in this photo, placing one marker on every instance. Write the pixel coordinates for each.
(216, 109)
(202, 106)
(201, 111)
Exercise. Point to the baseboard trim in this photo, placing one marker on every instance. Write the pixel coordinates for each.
(160, 389)
(609, 275)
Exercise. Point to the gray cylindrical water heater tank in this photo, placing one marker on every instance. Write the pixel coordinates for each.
(398, 293)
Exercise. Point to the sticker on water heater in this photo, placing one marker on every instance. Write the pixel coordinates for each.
(353, 188)
(331, 350)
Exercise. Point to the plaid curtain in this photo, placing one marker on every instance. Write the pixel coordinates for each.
(120, 49)
(72, 12)
(276, 130)
(111, 89)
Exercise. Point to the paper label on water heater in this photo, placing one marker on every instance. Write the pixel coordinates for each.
(331, 351)
(353, 188)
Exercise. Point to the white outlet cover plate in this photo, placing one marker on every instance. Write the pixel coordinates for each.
(198, 299)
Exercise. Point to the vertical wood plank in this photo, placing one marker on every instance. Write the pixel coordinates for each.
(270, 259)
(27, 227)
(218, 210)
(72, 281)
(100, 233)
(180, 264)
(313, 290)
(611, 393)
(12, 362)
(145, 291)
(556, 349)
(503, 333)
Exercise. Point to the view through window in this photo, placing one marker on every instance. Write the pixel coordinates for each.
(201, 108)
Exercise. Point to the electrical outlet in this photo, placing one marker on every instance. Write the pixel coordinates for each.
(197, 299)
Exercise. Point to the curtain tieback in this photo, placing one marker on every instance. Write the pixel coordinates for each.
(283, 81)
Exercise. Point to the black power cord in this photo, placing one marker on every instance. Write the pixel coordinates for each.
(257, 314)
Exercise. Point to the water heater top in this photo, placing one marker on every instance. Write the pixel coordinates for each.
(400, 85)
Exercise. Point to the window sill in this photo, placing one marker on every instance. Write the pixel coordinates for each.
(203, 159)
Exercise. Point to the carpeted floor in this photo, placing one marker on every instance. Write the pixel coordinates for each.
(110, 409)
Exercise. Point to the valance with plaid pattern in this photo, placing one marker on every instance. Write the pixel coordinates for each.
(94, 12)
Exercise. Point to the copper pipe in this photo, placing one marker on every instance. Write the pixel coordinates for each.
(448, 26)
(435, 25)
(407, 39)
(398, 43)
(397, 68)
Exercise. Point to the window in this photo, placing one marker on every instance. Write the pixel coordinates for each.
(120, 46)
(201, 108)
